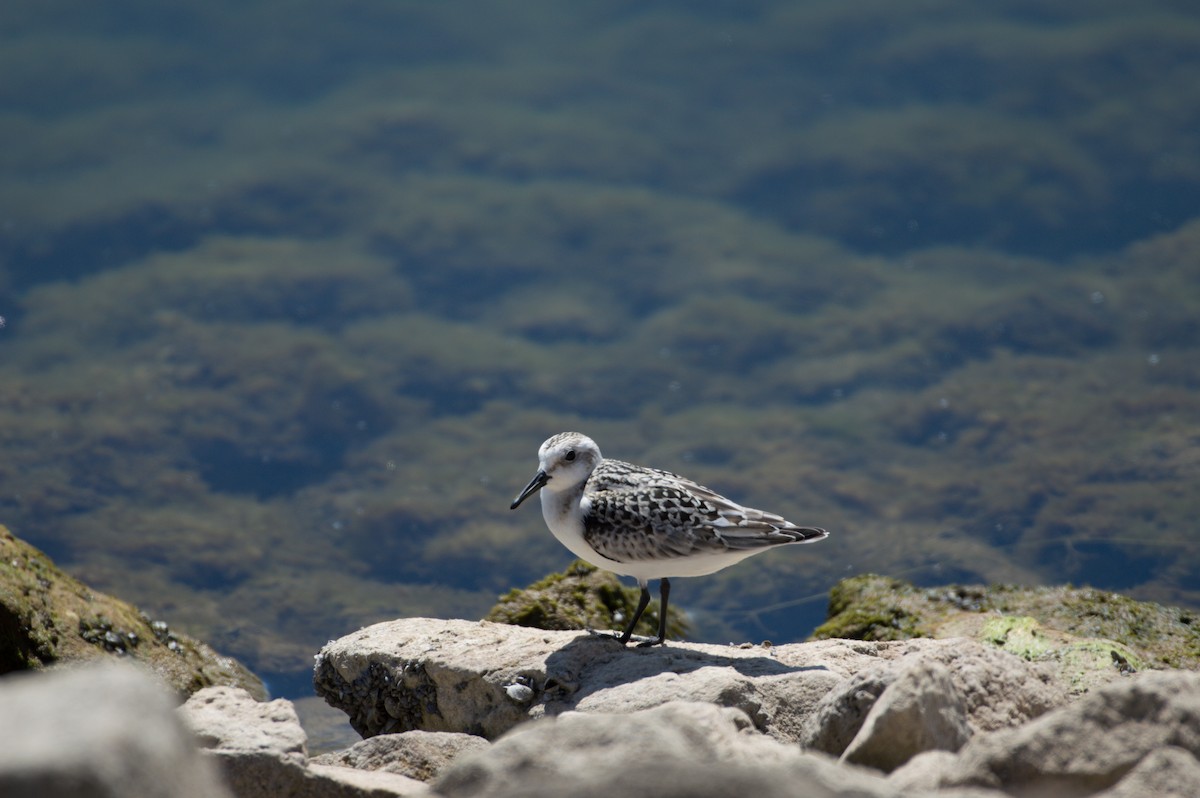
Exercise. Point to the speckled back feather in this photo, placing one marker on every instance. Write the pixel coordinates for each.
(636, 513)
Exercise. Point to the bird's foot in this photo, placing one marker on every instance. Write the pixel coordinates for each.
(607, 635)
(657, 641)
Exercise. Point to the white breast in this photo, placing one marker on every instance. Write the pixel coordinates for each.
(564, 517)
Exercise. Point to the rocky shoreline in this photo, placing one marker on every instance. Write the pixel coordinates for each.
(949, 692)
(465, 708)
(917, 717)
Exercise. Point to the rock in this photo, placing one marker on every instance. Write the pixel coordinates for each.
(1079, 663)
(48, 617)
(1079, 749)
(921, 710)
(839, 716)
(98, 730)
(679, 749)
(1001, 690)
(997, 691)
(471, 677)
(588, 748)
(484, 678)
(775, 686)
(1167, 773)
(1091, 636)
(924, 771)
(578, 714)
(330, 781)
(419, 755)
(260, 748)
(582, 597)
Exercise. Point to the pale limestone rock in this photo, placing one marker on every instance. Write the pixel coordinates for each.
(840, 714)
(997, 690)
(920, 710)
(419, 755)
(878, 702)
(460, 676)
(1166, 773)
(331, 781)
(106, 730)
(925, 770)
(260, 747)
(677, 750)
(1079, 749)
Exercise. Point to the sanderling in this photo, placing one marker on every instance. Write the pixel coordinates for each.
(646, 523)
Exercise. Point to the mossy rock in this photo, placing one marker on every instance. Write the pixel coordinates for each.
(582, 597)
(867, 608)
(1081, 631)
(1083, 663)
(48, 617)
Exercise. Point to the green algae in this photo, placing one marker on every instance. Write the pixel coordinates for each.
(48, 617)
(1084, 629)
(867, 608)
(1083, 662)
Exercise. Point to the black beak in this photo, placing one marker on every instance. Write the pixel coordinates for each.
(535, 484)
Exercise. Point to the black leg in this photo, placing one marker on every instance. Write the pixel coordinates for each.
(664, 591)
(637, 615)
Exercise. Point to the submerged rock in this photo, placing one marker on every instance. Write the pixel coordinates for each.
(48, 617)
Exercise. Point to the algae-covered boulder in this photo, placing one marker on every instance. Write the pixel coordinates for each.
(582, 597)
(48, 617)
(872, 607)
(1082, 632)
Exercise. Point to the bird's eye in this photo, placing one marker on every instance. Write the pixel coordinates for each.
(570, 456)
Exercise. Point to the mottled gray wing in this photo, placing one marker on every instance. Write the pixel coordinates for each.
(651, 523)
(664, 521)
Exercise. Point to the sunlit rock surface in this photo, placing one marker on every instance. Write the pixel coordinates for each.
(1082, 634)
(940, 714)
(102, 729)
(260, 750)
(467, 677)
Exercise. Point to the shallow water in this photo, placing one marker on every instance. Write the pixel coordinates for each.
(292, 295)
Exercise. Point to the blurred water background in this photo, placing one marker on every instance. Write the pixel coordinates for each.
(292, 292)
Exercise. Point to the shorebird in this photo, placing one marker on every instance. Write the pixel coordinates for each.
(646, 523)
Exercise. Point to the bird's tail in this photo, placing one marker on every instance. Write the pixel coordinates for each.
(804, 534)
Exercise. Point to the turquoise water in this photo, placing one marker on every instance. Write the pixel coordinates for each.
(292, 293)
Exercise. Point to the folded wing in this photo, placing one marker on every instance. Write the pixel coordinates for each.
(627, 518)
